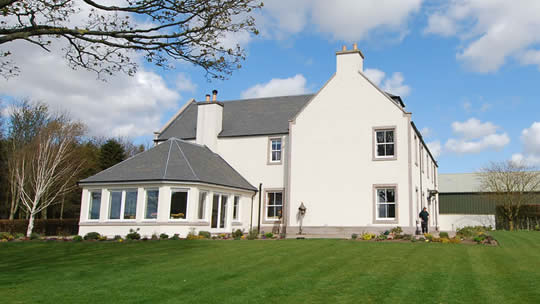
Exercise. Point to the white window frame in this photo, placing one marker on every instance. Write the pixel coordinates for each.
(175, 190)
(236, 205)
(219, 213)
(88, 217)
(122, 204)
(271, 150)
(376, 156)
(377, 203)
(205, 205)
(276, 218)
(145, 218)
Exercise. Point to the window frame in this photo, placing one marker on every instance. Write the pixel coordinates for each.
(236, 207)
(376, 218)
(146, 204)
(90, 202)
(205, 207)
(270, 150)
(267, 204)
(175, 190)
(123, 198)
(375, 144)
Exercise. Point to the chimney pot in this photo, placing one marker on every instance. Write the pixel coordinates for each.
(207, 97)
(214, 95)
(344, 48)
(355, 46)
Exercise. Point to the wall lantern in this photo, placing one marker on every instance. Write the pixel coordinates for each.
(302, 209)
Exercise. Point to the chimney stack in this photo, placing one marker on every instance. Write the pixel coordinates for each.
(214, 95)
(207, 97)
(349, 61)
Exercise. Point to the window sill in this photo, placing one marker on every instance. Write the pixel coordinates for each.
(270, 163)
(384, 158)
(385, 221)
(236, 224)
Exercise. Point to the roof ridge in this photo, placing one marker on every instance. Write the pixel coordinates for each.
(167, 163)
(267, 97)
(187, 161)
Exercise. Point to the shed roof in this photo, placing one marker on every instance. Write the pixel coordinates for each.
(459, 183)
(174, 160)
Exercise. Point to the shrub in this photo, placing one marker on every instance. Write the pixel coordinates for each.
(102, 238)
(35, 236)
(6, 236)
(455, 240)
(154, 237)
(479, 238)
(205, 234)
(382, 237)
(19, 236)
(354, 236)
(175, 237)
(163, 236)
(91, 236)
(269, 235)
(470, 232)
(537, 227)
(237, 234)
(77, 238)
(445, 240)
(144, 238)
(435, 239)
(133, 235)
(428, 236)
(368, 236)
(443, 235)
(117, 237)
(396, 231)
(253, 234)
(406, 237)
(421, 239)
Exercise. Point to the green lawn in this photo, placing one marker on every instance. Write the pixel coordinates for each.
(288, 271)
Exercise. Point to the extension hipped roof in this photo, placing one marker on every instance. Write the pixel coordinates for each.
(174, 160)
(246, 117)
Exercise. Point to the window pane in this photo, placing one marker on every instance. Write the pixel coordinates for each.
(95, 205)
(381, 195)
(202, 205)
(390, 196)
(382, 210)
(178, 205)
(389, 149)
(279, 198)
(270, 198)
(380, 136)
(380, 150)
(215, 210)
(270, 213)
(278, 212)
(235, 207)
(115, 205)
(389, 136)
(223, 215)
(392, 210)
(276, 156)
(151, 204)
(130, 209)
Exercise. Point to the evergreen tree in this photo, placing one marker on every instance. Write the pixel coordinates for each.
(111, 153)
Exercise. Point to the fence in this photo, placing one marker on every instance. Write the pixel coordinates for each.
(45, 227)
(527, 219)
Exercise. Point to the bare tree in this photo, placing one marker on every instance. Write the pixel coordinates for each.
(510, 185)
(102, 36)
(48, 167)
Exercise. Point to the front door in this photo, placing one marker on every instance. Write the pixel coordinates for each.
(219, 212)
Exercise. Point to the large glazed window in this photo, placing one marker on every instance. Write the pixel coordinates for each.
(386, 203)
(236, 208)
(95, 205)
(179, 200)
(115, 205)
(151, 208)
(385, 143)
(275, 205)
(130, 206)
(123, 204)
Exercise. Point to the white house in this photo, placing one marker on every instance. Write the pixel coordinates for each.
(350, 154)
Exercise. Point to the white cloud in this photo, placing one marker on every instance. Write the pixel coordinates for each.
(278, 87)
(122, 106)
(184, 83)
(475, 136)
(393, 85)
(473, 128)
(530, 138)
(492, 31)
(426, 132)
(347, 20)
(435, 148)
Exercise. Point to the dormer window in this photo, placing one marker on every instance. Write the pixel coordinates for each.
(275, 151)
(384, 144)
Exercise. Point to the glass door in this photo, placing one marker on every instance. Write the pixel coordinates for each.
(219, 211)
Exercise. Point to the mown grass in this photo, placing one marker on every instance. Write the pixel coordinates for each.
(285, 271)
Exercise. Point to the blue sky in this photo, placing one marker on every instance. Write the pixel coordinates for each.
(468, 70)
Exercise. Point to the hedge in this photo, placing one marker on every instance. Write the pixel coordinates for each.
(44, 227)
(527, 219)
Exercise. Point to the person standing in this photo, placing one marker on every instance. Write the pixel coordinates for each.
(424, 215)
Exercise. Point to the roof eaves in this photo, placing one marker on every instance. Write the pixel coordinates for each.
(422, 140)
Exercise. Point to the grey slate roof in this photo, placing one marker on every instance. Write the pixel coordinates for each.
(174, 160)
(259, 116)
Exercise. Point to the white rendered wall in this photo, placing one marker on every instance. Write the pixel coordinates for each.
(163, 224)
(451, 222)
(332, 166)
